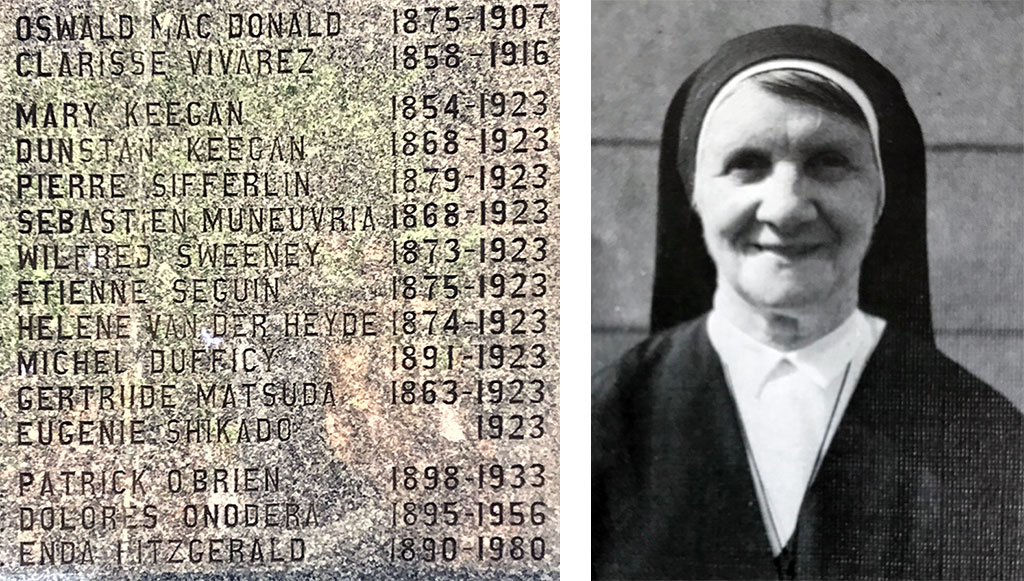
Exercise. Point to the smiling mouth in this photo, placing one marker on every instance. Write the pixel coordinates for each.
(789, 251)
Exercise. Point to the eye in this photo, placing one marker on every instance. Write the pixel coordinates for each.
(829, 166)
(748, 166)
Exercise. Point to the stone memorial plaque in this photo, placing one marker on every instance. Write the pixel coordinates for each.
(282, 289)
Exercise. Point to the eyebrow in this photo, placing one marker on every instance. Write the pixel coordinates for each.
(812, 144)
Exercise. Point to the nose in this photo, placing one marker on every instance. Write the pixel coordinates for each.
(784, 204)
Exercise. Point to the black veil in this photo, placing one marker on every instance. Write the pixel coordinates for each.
(894, 276)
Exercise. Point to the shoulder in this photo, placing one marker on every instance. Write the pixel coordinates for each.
(966, 441)
(646, 357)
(641, 372)
(657, 384)
(942, 386)
(930, 399)
(648, 411)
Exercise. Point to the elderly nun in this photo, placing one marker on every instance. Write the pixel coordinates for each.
(791, 416)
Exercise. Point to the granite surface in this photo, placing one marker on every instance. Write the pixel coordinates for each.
(264, 296)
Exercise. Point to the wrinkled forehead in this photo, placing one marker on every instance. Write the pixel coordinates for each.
(845, 83)
(751, 116)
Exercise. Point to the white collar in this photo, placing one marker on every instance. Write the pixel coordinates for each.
(834, 363)
(749, 362)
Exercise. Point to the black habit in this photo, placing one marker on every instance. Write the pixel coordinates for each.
(923, 480)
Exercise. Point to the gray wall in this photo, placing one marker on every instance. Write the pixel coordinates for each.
(961, 66)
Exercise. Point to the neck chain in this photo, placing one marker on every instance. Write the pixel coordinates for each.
(819, 458)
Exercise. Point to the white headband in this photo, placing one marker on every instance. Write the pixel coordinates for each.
(844, 82)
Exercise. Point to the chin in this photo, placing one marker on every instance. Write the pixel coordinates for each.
(786, 294)
(765, 280)
(795, 299)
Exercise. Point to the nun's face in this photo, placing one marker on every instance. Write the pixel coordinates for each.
(788, 194)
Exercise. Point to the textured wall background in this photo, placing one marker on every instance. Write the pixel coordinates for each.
(961, 66)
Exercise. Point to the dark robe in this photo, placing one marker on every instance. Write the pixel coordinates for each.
(924, 478)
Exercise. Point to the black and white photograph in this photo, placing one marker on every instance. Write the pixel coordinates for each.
(807, 299)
